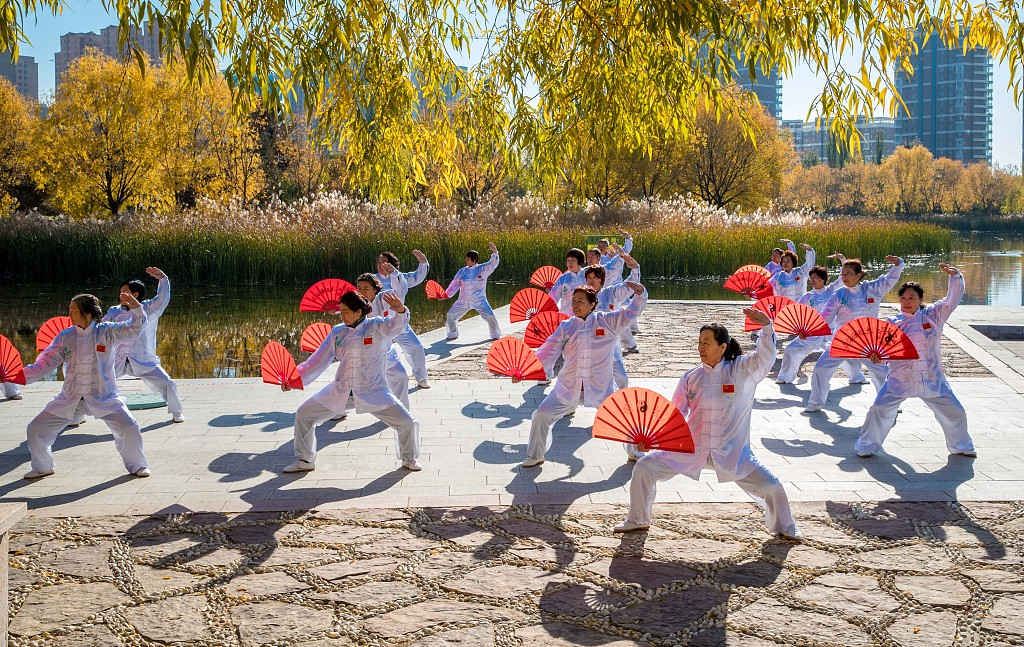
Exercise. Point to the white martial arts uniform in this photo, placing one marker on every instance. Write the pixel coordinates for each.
(407, 340)
(398, 379)
(361, 354)
(774, 267)
(616, 296)
(716, 402)
(11, 390)
(847, 304)
(920, 378)
(471, 284)
(798, 349)
(138, 357)
(561, 291)
(613, 264)
(588, 346)
(793, 284)
(90, 385)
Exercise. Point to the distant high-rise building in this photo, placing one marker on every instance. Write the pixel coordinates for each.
(817, 145)
(73, 45)
(949, 102)
(767, 88)
(23, 75)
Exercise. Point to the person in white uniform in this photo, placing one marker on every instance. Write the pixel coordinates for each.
(855, 298)
(610, 256)
(470, 283)
(775, 264)
(359, 345)
(87, 350)
(791, 279)
(716, 398)
(587, 342)
(397, 377)
(572, 278)
(615, 296)
(139, 358)
(407, 341)
(920, 378)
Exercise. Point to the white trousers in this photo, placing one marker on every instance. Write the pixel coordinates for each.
(11, 389)
(482, 307)
(760, 484)
(413, 349)
(550, 410)
(949, 413)
(397, 378)
(626, 338)
(156, 378)
(826, 366)
(44, 428)
(312, 413)
(799, 349)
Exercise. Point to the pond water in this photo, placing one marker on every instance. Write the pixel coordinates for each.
(219, 331)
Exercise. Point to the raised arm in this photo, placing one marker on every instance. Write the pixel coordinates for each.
(119, 331)
(321, 358)
(945, 306)
(419, 275)
(393, 325)
(491, 264)
(880, 286)
(627, 242)
(620, 319)
(809, 259)
(156, 306)
(755, 366)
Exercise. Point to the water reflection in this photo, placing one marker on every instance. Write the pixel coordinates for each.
(219, 332)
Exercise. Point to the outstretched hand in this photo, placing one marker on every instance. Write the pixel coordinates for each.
(949, 269)
(805, 246)
(636, 287)
(490, 246)
(894, 260)
(156, 273)
(420, 256)
(128, 300)
(393, 301)
(838, 256)
(756, 316)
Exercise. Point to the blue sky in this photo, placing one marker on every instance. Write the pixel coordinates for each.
(797, 92)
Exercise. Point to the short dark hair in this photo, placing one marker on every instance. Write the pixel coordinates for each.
(355, 301)
(722, 336)
(597, 271)
(603, 240)
(588, 292)
(473, 255)
(820, 272)
(371, 279)
(88, 304)
(855, 265)
(136, 287)
(391, 258)
(578, 254)
(777, 250)
(791, 256)
(912, 285)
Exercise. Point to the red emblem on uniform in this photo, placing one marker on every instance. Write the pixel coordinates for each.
(384, 314)
(871, 299)
(927, 326)
(728, 388)
(479, 276)
(611, 306)
(367, 341)
(599, 332)
(100, 348)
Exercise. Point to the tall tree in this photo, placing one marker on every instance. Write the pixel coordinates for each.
(18, 120)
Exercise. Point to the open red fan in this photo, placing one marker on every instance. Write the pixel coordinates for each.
(541, 327)
(643, 418)
(435, 291)
(323, 296)
(755, 268)
(749, 283)
(528, 302)
(11, 368)
(53, 327)
(801, 320)
(545, 277)
(313, 336)
(510, 356)
(874, 339)
(278, 367)
(771, 306)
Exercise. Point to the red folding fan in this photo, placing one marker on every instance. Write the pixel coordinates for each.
(53, 327)
(541, 327)
(749, 283)
(643, 418)
(510, 356)
(528, 302)
(313, 336)
(11, 368)
(545, 277)
(755, 268)
(435, 291)
(323, 296)
(801, 320)
(771, 306)
(278, 367)
(874, 339)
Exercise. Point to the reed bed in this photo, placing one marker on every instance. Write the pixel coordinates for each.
(332, 234)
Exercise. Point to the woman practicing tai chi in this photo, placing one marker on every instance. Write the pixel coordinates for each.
(369, 288)
(572, 278)
(775, 264)
(920, 378)
(471, 284)
(391, 278)
(87, 350)
(851, 300)
(360, 345)
(716, 398)
(587, 341)
(791, 279)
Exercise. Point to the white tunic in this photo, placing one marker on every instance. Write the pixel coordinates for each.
(88, 353)
(613, 263)
(793, 284)
(924, 377)
(614, 296)
(774, 267)
(142, 351)
(361, 352)
(561, 291)
(716, 402)
(862, 300)
(412, 279)
(471, 283)
(588, 346)
(817, 299)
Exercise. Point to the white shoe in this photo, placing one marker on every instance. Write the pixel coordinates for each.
(143, 472)
(629, 526)
(531, 462)
(811, 408)
(423, 384)
(300, 466)
(177, 418)
(412, 465)
(37, 475)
